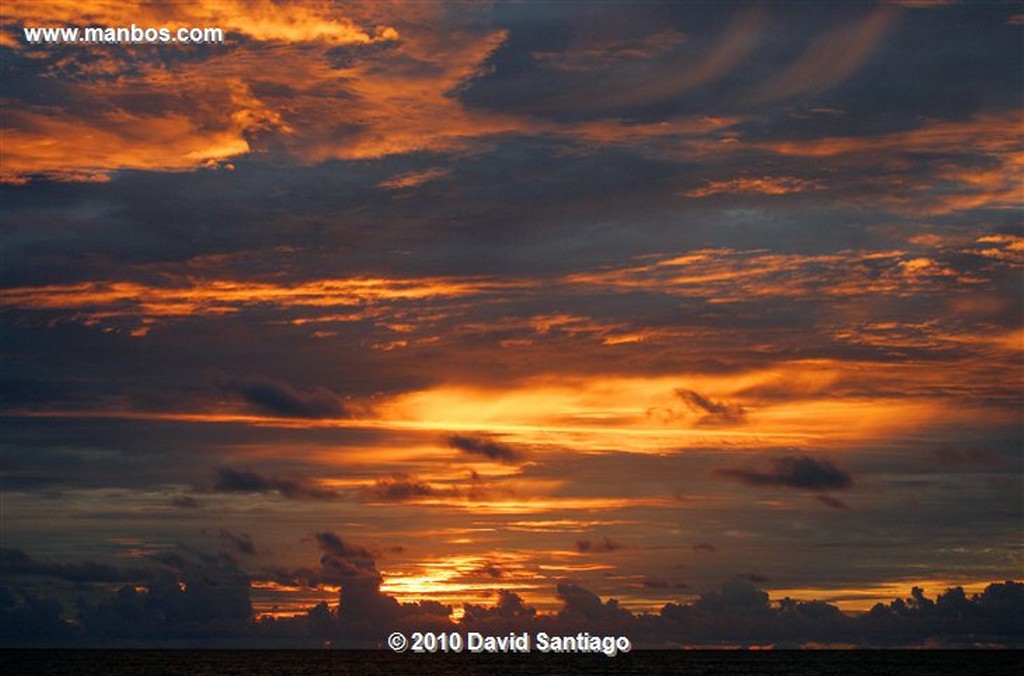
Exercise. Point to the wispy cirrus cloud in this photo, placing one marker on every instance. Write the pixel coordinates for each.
(831, 58)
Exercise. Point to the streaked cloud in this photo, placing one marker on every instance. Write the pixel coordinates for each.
(801, 472)
(831, 58)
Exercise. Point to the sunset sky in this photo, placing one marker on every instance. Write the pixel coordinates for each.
(638, 297)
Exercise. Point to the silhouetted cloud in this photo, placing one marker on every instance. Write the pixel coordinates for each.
(29, 620)
(240, 542)
(483, 446)
(344, 561)
(400, 488)
(714, 412)
(363, 609)
(659, 583)
(791, 471)
(582, 604)
(509, 606)
(201, 597)
(204, 598)
(283, 400)
(599, 547)
(491, 570)
(230, 480)
(15, 561)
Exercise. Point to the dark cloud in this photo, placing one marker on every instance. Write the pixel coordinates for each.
(203, 599)
(655, 583)
(793, 471)
(186, 502)
(483, 446)
(283, 400)
(736, 596)
(949, 457)
(580, 604)
(290, 577)
(492, 570)
(29, 620)
(599, 547)
(363, 610)
(830, 501)
(240, 542)
(509, 606)
(345, 562)
(713, 412)
(191, 595)
(704, 547)
(400, 488)
(14, 561)
(230, 480)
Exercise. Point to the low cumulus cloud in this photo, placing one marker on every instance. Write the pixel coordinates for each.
(239, 542)
(198, 594)
(792, 471)
(204, 599)
(185, 594)
(363, 610)
(509, 607)
(582, 604)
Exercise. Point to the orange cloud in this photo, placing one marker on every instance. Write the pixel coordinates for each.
(261, 20)
(414, 178)
(766, 185)
(726, 275)
(992, 134)
(243, 98)
(43, 142)
(221, 296)
(386, 101)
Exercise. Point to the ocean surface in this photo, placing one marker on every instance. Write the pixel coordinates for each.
(303, 662)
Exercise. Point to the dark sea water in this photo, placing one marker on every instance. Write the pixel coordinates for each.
(308, 662)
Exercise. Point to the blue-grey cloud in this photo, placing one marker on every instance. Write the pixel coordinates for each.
(791, 471)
